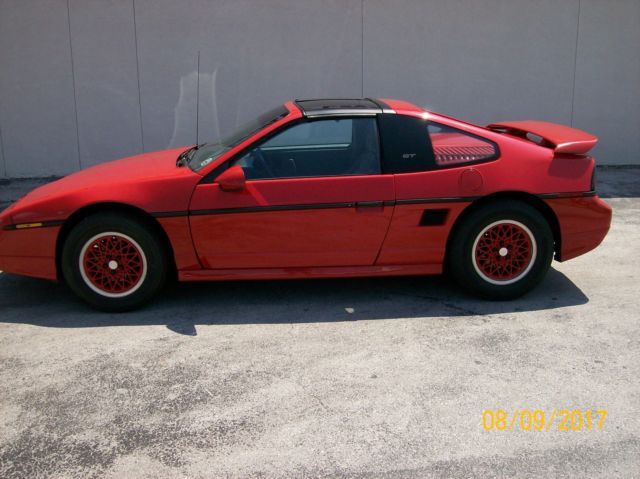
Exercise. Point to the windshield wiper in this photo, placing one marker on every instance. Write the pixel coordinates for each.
(186, 155)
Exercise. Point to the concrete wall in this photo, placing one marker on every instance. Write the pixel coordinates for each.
(86, 81)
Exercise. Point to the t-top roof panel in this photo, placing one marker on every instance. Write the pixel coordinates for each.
(336, 106)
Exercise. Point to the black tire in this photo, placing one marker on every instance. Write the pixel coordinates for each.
(114, 262)
(501, 250)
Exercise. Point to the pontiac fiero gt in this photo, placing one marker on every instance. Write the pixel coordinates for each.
(318, 189)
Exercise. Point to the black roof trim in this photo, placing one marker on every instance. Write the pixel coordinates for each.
(339, 106)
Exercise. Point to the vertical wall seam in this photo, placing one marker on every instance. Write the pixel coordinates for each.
(73, 83)
(575, 63)
(362, 48)
(135, 37)
(4, 158)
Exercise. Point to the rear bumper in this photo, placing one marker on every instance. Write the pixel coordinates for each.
(584, 223)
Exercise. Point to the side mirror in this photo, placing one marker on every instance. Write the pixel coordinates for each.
(232, 179)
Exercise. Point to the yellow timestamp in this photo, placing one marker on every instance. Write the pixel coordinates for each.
(539, 420)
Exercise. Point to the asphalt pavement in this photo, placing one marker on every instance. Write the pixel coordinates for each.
(352, 378)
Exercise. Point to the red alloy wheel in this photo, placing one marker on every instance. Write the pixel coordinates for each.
(113, 264)
(504, 251)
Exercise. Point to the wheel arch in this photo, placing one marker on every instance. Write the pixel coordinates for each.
(113, 207)
(528, 198)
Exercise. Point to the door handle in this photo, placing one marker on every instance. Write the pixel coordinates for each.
(369, 204)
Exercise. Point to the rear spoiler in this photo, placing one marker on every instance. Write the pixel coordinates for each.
(560, 138)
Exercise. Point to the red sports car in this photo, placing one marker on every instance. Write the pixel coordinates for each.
(319, 189)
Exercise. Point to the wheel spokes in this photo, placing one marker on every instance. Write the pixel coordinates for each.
(503, 251)
(113, 264)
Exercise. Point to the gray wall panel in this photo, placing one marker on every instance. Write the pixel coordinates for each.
(479, 60)
(36, 85)
(253, 55)
(304, 49)
(103, 41)
(482, 60)
(3, 165)
(607, 97)
(167, 33)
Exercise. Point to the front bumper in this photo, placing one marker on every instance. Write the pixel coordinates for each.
(29, 252)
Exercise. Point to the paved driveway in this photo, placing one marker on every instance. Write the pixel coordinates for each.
(384, 377)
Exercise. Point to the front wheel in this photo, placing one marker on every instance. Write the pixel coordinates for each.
(502, 250)
(113, 262)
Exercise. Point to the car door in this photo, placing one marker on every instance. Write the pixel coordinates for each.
(314, 197)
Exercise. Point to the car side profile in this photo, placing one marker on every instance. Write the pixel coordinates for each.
(319, 189)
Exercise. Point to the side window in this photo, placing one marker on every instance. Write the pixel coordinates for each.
(332, 133)
(452, 147)
(328, 147)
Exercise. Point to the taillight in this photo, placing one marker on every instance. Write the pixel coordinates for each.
(593, 179)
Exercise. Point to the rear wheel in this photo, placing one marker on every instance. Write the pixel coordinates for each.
(113, 262)
(502, 250)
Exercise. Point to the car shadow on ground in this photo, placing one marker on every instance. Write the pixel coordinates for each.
(184, 306)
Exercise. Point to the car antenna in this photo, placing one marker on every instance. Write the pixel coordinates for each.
(198, 101)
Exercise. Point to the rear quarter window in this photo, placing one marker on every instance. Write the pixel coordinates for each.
(411, 144)
(453, 147)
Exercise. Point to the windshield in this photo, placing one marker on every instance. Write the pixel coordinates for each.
(208, 152)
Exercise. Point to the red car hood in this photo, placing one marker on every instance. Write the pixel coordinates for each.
(151, 182)
(134, 169)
